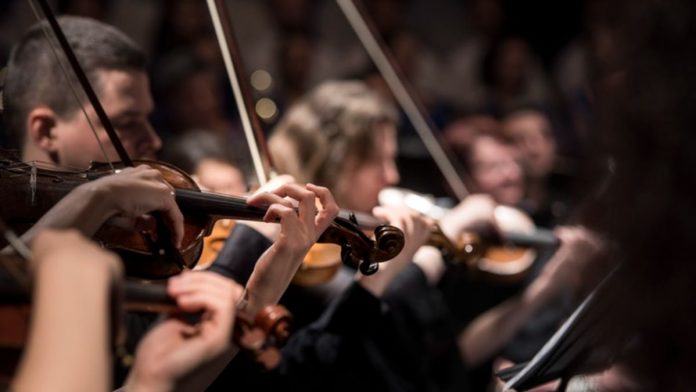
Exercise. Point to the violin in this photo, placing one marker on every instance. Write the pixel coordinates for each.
(507, 263)
(503, 257)
(29, 191)
(260, 335)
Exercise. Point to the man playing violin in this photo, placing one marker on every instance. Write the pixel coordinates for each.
(51, 127)
(46, 119)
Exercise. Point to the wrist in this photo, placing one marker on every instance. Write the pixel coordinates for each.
(282, 247)
(98, 197)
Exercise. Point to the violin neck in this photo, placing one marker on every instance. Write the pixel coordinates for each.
(218, 206)
(539, 239)
(147, 297)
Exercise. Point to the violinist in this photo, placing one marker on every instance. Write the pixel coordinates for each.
(71, 276)
(355, 132)
(643, 145)
(50, 128)
(355, 135)
(333, 350)
(524, 316)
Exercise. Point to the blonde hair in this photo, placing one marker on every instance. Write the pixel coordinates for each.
(332, 127)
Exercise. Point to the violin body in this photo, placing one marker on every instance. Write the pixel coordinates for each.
(213, 243)
(319, 265)
(133, 247)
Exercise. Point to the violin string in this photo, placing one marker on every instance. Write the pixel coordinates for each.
(66, 74)
(43, 165)
(32, 182)
(216, 197)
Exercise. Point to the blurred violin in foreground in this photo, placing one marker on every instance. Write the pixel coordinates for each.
(259, 335)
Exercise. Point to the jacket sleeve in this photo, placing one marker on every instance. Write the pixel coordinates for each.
(238, 257)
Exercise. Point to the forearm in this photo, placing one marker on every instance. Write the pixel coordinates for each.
(84, 209)
(198, 380)
(272, 276)
(68, 339)
(489, 332)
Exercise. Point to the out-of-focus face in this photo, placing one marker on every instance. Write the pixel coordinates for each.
(360, 183)
(531, 133)
(496, 171)
(512, 64)
(220, 177)
(126, 98)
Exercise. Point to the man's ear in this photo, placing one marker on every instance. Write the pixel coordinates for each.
(41, 123)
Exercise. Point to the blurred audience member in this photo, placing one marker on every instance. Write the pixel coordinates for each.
(547, 177)
(201, 154)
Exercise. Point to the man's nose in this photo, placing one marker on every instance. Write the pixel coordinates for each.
(150, 144)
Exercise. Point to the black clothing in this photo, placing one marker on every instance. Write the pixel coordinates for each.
(238, 257)
(361, 344)
(329, 354)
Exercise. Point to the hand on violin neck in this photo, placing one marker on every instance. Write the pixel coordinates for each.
(299, 229)
(269, 230)
(415, 226)
(302, 219)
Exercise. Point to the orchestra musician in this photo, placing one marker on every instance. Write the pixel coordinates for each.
(355, 132)
(392, 330)
(50, 128)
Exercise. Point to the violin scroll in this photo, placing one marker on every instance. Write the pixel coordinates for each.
(389, 241)
(264, 335)
(360, 251)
